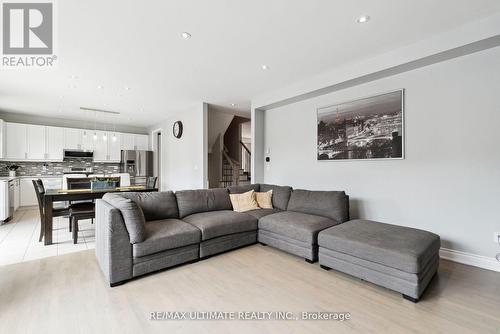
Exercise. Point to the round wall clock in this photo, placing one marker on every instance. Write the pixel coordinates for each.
(177, 129)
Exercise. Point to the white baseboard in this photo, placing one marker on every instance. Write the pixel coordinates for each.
(480, 261)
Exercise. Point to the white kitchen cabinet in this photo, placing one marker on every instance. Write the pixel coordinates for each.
(54, 143)
(36, 142)
(17, 191)
(88, 140)
(114, 147)
(2, 139)
(43, 143)
(105, 148)
(27, 194)
(128, 141)
(15, 140)
(100, 146)
(142, 142)
(73, 139)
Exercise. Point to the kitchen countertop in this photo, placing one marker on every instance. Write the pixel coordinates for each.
(7, 178)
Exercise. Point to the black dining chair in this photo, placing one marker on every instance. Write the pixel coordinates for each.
(79, 212)
(151, 181)
(86, 210)
(58, 210)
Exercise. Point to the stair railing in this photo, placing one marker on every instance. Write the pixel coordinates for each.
(246, 158)
(235, 177)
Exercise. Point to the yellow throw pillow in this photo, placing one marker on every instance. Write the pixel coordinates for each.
(244, 202)
(265, 200)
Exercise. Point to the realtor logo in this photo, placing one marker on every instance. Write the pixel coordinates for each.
(28, 29)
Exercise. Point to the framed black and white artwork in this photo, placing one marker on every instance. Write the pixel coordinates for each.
(363, 129)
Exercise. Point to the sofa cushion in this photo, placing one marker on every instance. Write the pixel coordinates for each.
(155, 205)
(259, 213)
(218, 223)
(166, 234)
(296, 225)
(244, 202)
(398, 247)
(132, 214)
(264, 199)
(243, 189)
(202, 200)
(330, 204)
(281, 195)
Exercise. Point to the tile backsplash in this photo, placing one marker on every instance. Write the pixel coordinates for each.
(56, 168)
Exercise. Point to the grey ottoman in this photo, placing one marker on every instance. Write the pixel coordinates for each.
(396, 257)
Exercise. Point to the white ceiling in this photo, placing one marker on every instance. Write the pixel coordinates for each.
(137, 44)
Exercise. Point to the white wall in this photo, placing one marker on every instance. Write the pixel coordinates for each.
(184, 164)
(449, 182)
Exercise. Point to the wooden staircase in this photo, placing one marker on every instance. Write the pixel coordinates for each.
(232, 173)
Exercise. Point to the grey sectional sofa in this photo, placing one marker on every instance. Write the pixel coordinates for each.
(139, 233)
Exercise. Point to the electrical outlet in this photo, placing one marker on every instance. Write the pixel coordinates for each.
(496, 236)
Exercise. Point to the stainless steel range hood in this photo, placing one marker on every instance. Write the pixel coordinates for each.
(78, 155)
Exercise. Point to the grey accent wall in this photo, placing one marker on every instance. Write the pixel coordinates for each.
(449, 182)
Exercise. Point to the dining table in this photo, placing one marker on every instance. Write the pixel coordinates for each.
(62, 195)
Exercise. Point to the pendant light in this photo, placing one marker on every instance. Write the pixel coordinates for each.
(95, 126)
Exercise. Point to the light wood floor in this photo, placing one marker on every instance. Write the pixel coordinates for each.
(67, 294)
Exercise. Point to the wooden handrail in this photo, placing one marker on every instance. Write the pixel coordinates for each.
(245, 147)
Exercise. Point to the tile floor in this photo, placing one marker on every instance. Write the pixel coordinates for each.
(19, 237)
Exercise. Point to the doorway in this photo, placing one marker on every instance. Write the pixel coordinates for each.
(157, 154)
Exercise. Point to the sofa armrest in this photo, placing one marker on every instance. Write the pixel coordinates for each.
(113, 248)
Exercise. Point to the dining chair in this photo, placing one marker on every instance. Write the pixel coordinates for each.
(79, 212)
(58, 210)
(86, 210)
(151, 181)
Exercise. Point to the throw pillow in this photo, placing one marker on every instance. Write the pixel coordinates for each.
(244, 202)
(264, 199)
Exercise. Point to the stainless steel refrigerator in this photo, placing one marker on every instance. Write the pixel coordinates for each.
(139, 164)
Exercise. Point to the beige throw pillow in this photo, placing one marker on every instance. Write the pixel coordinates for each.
(244, 202)
(265, 199)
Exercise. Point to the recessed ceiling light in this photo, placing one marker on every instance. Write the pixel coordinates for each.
(233, 104)
(363, 19)
(127, 88)
(100, 87)
(61, 97)
(185, 35)
(265, 67)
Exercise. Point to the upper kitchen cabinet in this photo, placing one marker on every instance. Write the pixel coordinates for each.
(33, 142)
(100, 145)
(114, 147)
(54, 143)
(142, 142)
(15, 141)
(128, 141)
(88, 140)
(107, 147)
(132, 141)
(72, 139)
(39, 143)
(36, 142)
